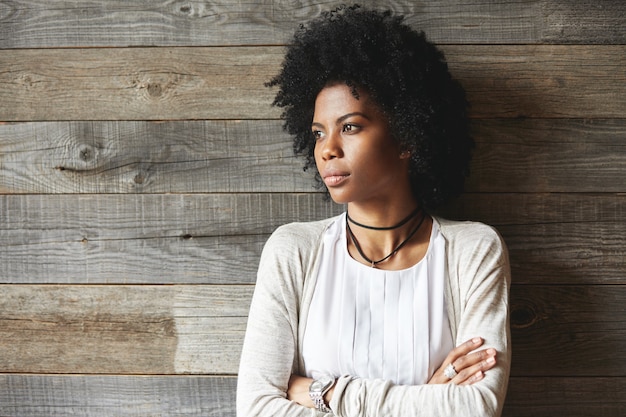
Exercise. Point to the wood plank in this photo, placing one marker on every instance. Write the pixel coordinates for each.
(572, 397)
(558, 331)
(144, 238)
(569, 330)
(149, 157)
(137, 83)
(114, 395)
(558, 155)
(59, 23)
(122, 329)
(577, 81)
(106, 395)
(217, 238)
(512, 155)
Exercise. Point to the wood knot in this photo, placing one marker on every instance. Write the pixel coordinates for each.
(86, 153)
(523, 316)
(155, 90)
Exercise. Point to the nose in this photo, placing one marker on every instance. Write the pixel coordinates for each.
(331, 146)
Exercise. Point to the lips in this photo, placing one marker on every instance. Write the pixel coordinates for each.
(332, 178)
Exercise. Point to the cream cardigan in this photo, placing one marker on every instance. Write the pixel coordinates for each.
(477, 288)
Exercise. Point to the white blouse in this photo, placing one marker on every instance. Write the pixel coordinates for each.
(374, 323)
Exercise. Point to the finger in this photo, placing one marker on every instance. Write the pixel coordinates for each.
(473, 358)
(475, 372)
(474, 378)
(463, 349)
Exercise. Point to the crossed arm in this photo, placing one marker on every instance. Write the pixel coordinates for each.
(470, 364)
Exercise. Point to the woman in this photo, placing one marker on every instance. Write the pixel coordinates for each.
(385, 310)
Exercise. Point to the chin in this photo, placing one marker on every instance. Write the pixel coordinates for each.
(338, 198)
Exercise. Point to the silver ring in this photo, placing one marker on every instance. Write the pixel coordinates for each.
(450, 372)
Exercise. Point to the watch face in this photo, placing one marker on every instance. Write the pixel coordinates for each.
(321, 384)
(317, 386)
(326, 380)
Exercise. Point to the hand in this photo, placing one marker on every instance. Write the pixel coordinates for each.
(298, 390)
(470, 367)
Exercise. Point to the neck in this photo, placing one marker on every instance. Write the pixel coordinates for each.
(367, 244)
(383, 215)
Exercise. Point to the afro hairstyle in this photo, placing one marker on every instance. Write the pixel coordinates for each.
(404, 73)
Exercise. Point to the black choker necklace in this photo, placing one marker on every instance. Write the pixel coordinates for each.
(374, 263)
(402, 222)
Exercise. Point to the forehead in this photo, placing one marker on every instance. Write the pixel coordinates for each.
(339, 99)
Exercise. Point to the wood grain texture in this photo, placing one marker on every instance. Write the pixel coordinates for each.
(149, 157)
(137, 83)
(122, 329)
(552, 238)
(60, 23)
(520, 155)
(116, 395)
(575, 397)
(556, 155)
(228, 83)
(144, 239)
(568, 330)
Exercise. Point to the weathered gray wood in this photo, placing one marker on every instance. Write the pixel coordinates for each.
(149, 157)
(61, 23)
(144, 238)
(552, 238)
(137, 83)
(122, 329)
(542, 81)
(114, 395)
(107, 395)
(538, 156)
(525, 155)
(578, 81)
(557, 330)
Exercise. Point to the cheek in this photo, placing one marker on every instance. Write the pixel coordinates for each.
(317, 156)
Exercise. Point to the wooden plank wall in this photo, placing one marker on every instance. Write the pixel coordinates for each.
(142, 168)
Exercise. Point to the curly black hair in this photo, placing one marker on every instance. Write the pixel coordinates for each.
(404, 73)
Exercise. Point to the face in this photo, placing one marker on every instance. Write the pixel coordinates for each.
(354, 151)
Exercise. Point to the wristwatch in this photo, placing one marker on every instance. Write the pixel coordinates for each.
(318, 389)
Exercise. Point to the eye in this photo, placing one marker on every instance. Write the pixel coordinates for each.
(317, 134)
(350, 128)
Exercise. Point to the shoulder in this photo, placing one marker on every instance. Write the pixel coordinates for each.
(298, 236)
(468, 232)
(472, 242)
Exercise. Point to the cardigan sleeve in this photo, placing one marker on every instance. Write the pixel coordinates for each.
(479, 275)
(269, 353)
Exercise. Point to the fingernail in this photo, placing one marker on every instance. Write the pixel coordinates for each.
(491, 352)
(476, 340)
(491, 360)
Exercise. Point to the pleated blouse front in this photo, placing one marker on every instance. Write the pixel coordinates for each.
(374, 323)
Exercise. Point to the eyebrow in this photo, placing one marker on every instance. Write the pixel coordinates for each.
(344, 117)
